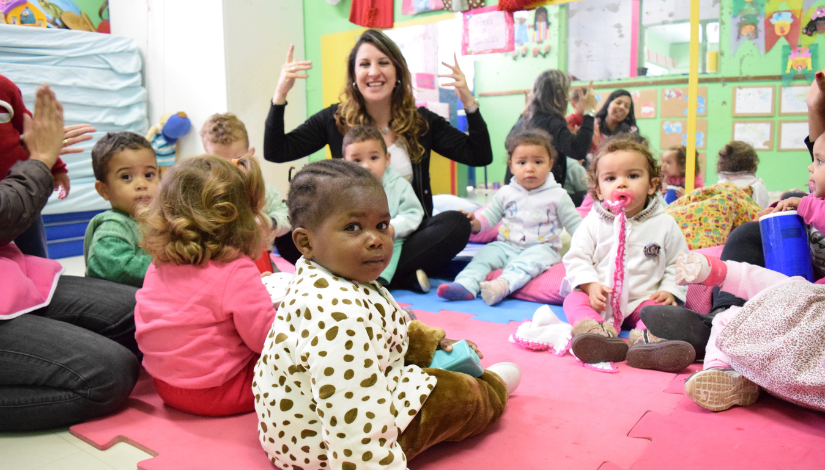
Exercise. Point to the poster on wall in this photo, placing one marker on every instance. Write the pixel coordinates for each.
(487, 30)
(419, 46)
(757, 133)
(781, 24)
(799, 61)
(753, 101)
(792, 135)
(674, 102)
(531, 34)
(748, 25)
(813, 24)
(673, 133)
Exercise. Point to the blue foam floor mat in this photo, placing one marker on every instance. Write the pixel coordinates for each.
(504, 312)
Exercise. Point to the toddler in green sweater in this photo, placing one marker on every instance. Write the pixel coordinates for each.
(126, 171)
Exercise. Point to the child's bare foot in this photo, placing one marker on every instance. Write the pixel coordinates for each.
(495, 291)
(454, 291)
(696, 268)
(720, 389)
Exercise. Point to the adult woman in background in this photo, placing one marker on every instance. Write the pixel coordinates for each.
(546, 108)
(378, 92)
(617, 116)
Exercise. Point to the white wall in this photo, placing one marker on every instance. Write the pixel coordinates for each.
(213, 56)
(257, 35)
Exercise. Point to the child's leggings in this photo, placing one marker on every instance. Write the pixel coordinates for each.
(744, 281)
(233, 397)
(577, 307)
(519, 266)
(459, 406)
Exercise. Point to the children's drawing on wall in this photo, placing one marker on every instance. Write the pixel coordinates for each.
(524, 21)
(814, 22)
(799, 61)
(748, 21)
(487, 30)
(781, 24)
(63, 14)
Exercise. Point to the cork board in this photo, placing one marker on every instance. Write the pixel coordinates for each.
(673, 132)
(674, 102)
(644, 103)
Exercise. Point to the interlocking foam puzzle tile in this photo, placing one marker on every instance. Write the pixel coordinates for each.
(563, 416)
(677, 386)
(770, 434)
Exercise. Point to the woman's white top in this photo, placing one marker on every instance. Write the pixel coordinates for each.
(400, 159)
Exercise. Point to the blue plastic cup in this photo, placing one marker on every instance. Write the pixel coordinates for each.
(785, 244)
(462, 359)
(670, 195)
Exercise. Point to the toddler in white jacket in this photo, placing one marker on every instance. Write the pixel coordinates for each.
(533, 209)
(620, 262)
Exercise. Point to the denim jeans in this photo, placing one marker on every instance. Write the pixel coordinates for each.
(70, 361)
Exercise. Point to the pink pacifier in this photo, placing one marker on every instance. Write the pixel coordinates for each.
(619, 200)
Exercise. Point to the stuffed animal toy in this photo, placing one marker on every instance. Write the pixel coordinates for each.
(164, 137)
(12, 110)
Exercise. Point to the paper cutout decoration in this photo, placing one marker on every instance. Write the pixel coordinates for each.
(739, 5)
(748, 27)
(372, 13)
(411, 7)
(541, 26)
(462, 5)
(425, 80)
(814, 23)
(781, 24)
(799, 60)
(487, 30)
(520, 34)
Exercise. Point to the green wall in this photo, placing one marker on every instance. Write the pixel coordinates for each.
(499, 72)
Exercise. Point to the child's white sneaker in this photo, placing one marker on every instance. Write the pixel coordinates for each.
(509, 373)
(718, 389)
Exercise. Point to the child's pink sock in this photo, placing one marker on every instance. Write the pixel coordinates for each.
(454, 291)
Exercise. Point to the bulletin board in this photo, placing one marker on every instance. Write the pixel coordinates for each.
(753, 101)
(757, 133)
(792, 135)
(674, 103)
(644, 103)
(673, 132)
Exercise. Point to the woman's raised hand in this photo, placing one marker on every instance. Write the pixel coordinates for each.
(459, 83)
(589, 99)
(291, 70)
(75, 134)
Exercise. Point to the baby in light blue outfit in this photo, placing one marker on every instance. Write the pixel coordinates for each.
(533, 210)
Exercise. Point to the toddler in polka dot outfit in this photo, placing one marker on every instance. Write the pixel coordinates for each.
(343, 380)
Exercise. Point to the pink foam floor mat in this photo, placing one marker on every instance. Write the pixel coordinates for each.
(563, 416)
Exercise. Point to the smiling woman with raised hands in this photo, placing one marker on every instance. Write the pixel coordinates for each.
(378, 92)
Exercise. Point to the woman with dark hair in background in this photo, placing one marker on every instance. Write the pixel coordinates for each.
(546, 108)
(617, 116)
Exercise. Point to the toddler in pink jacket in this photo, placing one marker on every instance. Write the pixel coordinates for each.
(203, 313)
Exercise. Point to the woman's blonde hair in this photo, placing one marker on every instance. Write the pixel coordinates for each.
(206, 209)
(627, 143)
(405, 121)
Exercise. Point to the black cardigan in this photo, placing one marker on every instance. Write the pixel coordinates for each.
(566, 143)
(320, 130)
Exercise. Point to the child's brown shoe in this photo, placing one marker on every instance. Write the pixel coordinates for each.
(649, 352)
(595, 342)
(720, 389)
